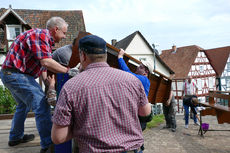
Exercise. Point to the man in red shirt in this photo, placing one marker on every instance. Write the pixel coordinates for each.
(29, 57)
(99, 107)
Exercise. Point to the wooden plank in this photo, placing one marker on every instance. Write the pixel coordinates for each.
(222, 112)
(208, 111)
(10, 116)
(218, 95)
(222, 116)
(75, 59)
(216, 106)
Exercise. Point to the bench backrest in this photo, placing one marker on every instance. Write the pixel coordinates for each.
(221, 112)
(224, 95)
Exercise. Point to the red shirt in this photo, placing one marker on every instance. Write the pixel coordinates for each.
(28, 49)
(101, 104)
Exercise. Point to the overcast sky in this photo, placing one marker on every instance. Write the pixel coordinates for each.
(205, 23)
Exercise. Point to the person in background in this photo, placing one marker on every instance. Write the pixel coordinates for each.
(99, 107)
(170, 112)
(63, 54)
(29, 57)
(192, 103)
(189, 92)
(141, 73)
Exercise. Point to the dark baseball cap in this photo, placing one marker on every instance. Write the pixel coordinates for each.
(92, 44)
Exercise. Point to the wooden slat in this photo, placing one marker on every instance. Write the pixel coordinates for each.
(223, 116)
(216, 106)
(10, 116)
(75, 59)
(208, 111)
(218, 95)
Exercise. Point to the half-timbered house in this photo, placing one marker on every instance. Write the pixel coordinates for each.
(190, 61)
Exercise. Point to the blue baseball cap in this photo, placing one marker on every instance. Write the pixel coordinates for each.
(92, 44)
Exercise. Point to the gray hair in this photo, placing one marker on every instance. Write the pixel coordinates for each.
(56, 22)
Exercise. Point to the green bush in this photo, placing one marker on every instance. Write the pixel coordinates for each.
(7, 102)
(157, 120)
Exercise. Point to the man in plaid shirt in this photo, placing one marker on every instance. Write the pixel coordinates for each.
(99, 107)
(28, 58)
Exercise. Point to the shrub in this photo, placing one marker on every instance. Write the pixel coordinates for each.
(7, 102)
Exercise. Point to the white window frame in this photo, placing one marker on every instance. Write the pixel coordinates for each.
(227, 83)
(8, 30)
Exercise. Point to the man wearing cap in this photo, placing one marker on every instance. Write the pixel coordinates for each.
(99, 107)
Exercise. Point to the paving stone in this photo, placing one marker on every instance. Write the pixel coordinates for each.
(157, 140)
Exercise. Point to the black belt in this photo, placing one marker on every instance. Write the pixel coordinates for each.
(8, 71)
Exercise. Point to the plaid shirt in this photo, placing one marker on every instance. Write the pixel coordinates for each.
(27, 50)
(101, 104)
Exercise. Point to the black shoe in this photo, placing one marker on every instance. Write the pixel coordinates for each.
(142, 147)
(50, 149)
(45, 150)
(173, 130)
(26, 138)
(166, 127)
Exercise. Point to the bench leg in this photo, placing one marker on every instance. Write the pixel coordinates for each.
(201, 130)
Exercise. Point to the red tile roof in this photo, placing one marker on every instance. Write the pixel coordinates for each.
(218, 58)
(38, 19)
(180, 61)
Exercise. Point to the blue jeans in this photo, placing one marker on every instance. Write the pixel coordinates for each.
(28, 94)
(186, 109)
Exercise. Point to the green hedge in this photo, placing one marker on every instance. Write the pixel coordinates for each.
(7, 102)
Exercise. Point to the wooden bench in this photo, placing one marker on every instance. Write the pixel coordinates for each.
(213, 108)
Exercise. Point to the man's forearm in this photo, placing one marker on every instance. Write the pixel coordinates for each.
(198, 117)
(147, 118)
(61, 134)
(53, 66)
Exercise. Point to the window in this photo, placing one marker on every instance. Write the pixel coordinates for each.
(201, 68)
(228, 66)
(13, 31)
(142, 59)
(228, 83)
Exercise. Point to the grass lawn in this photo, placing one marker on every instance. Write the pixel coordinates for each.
(157, 120)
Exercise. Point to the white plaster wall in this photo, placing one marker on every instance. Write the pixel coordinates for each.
(138, 47)
(162, 69)
(139, 50)
(225, 77)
